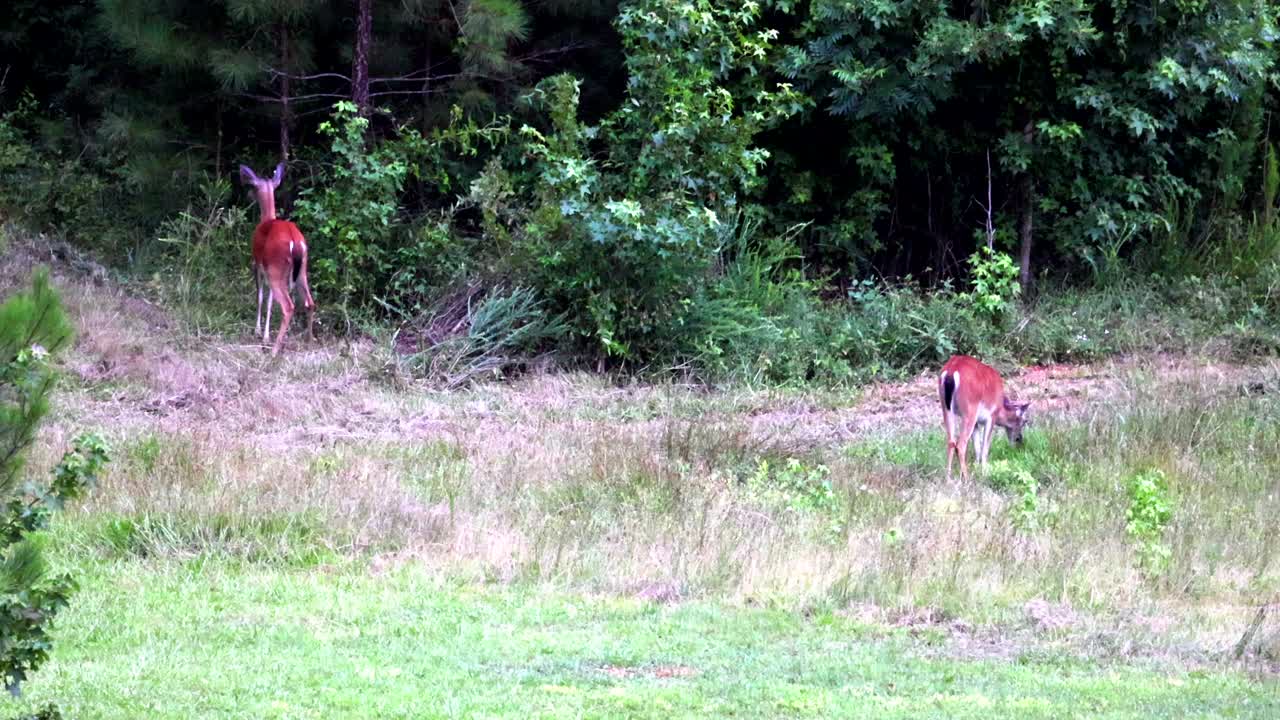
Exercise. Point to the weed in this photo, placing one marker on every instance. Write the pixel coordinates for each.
(1025, 510)
(1150, 511)
(799, 488)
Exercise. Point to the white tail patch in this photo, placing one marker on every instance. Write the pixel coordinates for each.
(290, 248)
(955, 389)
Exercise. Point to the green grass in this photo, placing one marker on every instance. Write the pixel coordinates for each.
(217, 638)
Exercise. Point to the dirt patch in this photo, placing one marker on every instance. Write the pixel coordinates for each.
(660, 593)
(1045, 616)
(660, 672)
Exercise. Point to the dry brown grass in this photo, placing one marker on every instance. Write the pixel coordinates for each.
(637, 489)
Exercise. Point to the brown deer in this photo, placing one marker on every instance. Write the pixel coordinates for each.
(279, 259)
(973, 393)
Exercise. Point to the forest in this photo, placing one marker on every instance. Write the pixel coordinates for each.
(783, 191)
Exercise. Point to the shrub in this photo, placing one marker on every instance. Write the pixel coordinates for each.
(616, 225)
(1150, 511)
(995, 284)
(32, 325)
(799, 488)
(467, 337)
(366, 253)
(1007, 477)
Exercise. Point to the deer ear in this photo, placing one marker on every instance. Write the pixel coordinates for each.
(247, 174)
(278, 175)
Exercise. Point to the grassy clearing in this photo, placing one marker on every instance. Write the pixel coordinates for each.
(216, 639)
(1028, 587)
(594, 496)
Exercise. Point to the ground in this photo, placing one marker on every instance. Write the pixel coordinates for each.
(323, 536)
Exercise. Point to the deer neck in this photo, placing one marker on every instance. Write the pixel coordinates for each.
(267, 204)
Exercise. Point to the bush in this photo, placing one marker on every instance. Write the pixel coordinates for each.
(1150, 511)
(617, 225)
(1007, 477)
(202, 268)
(32, 325)
(799, 488)
(473, 335)
(366, 253)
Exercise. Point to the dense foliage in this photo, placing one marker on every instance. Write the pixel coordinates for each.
(698, 184)
(32, 325)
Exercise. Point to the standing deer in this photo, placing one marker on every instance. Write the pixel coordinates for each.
(973, 393)
(279, 259)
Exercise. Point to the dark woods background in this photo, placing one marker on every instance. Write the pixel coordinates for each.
(788, 191)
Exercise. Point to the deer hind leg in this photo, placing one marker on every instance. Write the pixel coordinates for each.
(951, 425)
(280, 289)
(257, 280)
(266, 329)
(307, 302)
(966, 434)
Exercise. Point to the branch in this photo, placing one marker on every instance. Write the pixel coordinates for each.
(405, 92)
(293, 98)
(555, 51)
(318, 76)
(991, 232)
(416, 77)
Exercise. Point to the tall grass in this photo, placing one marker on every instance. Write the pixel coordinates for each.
(706, 507)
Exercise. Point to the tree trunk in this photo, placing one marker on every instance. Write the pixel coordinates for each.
(426, 86)
(1024, 230)
(1024, 223)
(360, 63)
(286, 112)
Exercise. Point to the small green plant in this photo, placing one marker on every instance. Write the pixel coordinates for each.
(1150, 511)
(995, 283)
(1025, 510)
(799, 488)
(1104, 258)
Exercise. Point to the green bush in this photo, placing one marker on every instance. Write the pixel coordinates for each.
(799, 488)
(1017, 480)
(366, 253)
(32, 325)
(616, 225)
(995, 284)
(1149, 513)
(201, 266)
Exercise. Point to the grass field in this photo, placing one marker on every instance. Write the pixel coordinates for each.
(317, 537)
(222, 639)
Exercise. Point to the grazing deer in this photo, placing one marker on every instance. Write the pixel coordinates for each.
(279, 259)
(973, 393)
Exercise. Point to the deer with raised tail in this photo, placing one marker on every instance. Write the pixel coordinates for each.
(972, 394)
(279, 259)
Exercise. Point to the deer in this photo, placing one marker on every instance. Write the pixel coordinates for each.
(972, 393)
(279, 259)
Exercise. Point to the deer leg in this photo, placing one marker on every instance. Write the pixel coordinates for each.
(950, 432)
(966, 433)
(987, 435)
(266, 329)
(307, 302)
(280, 288)
(257, 279)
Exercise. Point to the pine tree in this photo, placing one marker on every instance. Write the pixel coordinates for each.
(32, 325)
